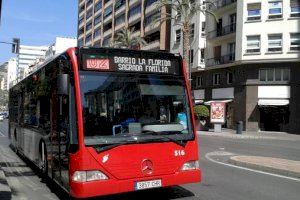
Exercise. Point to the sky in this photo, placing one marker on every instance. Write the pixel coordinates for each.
(36, 22)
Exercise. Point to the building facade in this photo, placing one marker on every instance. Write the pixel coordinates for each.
(12, 70)
(3, 76)
(8, 73)
(30, 57)
(27, 56)
(100, 20)
(197, 40)
(60, 45)
(253, 64)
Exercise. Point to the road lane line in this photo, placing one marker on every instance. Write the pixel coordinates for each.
(1, 134)
(207, 156)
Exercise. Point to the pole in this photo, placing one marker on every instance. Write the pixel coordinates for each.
(6, 42)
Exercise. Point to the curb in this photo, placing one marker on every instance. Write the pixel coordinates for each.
(264, 168)
(225, 135)
(241, 136)
(5, 191)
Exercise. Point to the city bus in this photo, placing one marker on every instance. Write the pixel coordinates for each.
(102, 121)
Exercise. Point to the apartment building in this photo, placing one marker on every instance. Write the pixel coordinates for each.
(3, 76)
(197, 40)
(253, 59)
(60, 45)
(100, 20)
(27, 56)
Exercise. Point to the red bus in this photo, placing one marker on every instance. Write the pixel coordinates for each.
(101, 121)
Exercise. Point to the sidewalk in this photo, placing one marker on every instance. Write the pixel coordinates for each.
(230, 133)
(280, 166)
(5, 191)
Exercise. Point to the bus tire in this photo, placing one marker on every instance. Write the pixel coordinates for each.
(43, 160)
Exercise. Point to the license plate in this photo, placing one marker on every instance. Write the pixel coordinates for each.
(147, 184)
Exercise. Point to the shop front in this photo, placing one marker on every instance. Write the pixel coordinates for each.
(273, 103)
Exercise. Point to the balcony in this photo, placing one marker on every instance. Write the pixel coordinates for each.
(81, 13)
(119, 10)
(151, 28)
(136, 34)
(81, 2)
(106, 33)
(119, 26)
(222, 3)
(150, 9)
(155, 45)
(81, 24)
(107, 19)
(80, 36)
(221, 60)
(109, 3)
(135, 18)
(222, 32)
(89, 43)
(133, 2)
(97, 25)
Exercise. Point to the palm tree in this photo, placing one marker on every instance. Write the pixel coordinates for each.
(125, 39)
(184, 11)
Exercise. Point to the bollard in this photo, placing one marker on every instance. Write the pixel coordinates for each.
(239, 127)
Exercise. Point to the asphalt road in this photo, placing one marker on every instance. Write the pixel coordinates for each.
(219, 181)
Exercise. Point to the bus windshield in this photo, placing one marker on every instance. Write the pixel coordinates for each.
(122, 107)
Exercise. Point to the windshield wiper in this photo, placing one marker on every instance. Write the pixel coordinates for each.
(105, 147)
(162, 134)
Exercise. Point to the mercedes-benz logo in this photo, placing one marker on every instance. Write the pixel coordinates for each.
(147, 166)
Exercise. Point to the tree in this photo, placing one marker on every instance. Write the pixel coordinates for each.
(184, 11)
(3, 100)
(125, 39)
(201, 112)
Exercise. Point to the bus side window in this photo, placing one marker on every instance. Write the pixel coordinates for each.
(72, 122)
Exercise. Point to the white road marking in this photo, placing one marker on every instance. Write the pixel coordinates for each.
(207, 156)
(1, 134)
(15, 170)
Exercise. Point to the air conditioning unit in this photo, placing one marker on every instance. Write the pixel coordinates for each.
(203, 7)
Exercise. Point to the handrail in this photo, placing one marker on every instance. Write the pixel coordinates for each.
(229, 58)
(231, 28)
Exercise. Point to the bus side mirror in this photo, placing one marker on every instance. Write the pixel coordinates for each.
(63, 81)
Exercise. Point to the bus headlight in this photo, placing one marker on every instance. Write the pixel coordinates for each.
(95, 175)
(84, 176)
(191, 165)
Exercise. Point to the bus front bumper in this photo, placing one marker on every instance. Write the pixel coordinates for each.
(112, 186)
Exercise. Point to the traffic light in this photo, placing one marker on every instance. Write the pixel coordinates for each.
(15, 45)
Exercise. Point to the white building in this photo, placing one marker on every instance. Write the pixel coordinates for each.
(60, 45)
(31, 56)
(3, 76)
(12, 70)
(27, 56)
(253, 30)
(253, 58)
(197, 40)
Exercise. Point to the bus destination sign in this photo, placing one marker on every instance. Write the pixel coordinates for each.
(132, 64)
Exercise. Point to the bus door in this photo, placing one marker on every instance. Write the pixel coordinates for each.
(60, 138)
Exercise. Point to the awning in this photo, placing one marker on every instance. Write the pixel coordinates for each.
(198, 101)
(224, 101)
(273, 102)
